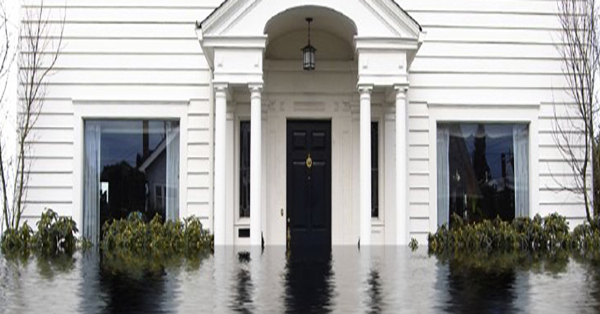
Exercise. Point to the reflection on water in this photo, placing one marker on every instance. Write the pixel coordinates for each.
(481, 291)
(309, 282)
(343, 280)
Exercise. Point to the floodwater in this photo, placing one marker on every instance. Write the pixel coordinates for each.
(346, 280)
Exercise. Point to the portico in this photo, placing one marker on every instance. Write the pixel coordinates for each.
(364, 52)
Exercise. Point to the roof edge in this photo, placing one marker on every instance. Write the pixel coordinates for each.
(201, 23)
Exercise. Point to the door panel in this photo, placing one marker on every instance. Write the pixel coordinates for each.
(309, 184)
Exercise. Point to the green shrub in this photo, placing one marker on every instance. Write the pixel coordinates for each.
(413, 244)
(586, 238)
(17, 240)
(548, 234)
(54, 235)
(155, 237)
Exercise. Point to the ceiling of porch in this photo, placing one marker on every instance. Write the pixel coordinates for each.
(332, 34)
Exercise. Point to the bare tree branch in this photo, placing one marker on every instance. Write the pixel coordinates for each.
(574, 134)
(38, 54)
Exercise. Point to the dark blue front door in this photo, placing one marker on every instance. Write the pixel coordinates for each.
(309, 183)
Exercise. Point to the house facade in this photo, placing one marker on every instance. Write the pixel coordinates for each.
(414, 111)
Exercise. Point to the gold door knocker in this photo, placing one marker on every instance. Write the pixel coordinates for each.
(309, 162)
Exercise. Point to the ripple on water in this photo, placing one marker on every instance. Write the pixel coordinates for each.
(343, 280)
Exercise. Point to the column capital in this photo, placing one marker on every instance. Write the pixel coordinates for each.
(255, 87)
(365, 88)
(220, 86)
(401, 90)
(401, 87)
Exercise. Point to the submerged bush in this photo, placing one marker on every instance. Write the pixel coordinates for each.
(547, 234)
(54, 235)
(155, 237)
(14, 240)
(413, 244)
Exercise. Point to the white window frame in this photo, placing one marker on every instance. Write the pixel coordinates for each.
(379, 118)
(100, 110)
(163, 192)
(242, 113)
(498, 113)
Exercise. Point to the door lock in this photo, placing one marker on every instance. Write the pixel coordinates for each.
(282, 212)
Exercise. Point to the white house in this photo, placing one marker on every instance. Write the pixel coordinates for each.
(416, 109)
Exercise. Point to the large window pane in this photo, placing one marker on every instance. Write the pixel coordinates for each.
(477, 178)
(134, 167)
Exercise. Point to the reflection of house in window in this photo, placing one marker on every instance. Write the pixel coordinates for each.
(104, 192)
(134, 162)
(155, 167)
(160, 196)
(481, 170)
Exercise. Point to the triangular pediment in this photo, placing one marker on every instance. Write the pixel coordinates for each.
(249, 18)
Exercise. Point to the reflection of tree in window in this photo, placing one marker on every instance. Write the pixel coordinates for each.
(134, 163)
(481, 166)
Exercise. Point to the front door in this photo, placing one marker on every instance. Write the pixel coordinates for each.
(309, 184)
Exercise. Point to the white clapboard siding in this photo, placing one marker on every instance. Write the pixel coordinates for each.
(489, 65)
(483, 96)
(488, 80)
(488, 53)
(478, 6)
(50, 165)
(140, 62)
(33, 210)
(74, 14)
(155, 77)
(484, 19)
(418, 165)
(126, 3)
(121, 52)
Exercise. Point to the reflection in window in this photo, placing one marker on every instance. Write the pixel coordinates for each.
(130, 166)
(374, 169)
(244, 169)
(482, 171)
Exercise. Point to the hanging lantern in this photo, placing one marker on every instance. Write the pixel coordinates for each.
(309, 51)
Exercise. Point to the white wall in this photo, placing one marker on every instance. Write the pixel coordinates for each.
(133, 59)
(129, 54)
(486, 53)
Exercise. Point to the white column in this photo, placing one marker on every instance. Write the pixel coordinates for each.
(365, 164)
(255, 164)
(401, 167)
(220, 157)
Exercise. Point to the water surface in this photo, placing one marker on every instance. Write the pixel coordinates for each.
(382, 280)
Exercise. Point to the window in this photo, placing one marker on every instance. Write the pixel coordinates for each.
(160, 193)
(374, 169)
(130, 166)
(483, 171)
(244, 169)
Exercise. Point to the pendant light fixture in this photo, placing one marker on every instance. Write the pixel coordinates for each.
(309, 51)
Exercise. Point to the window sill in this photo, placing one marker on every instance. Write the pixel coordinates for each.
(377, 222)
(242, 222)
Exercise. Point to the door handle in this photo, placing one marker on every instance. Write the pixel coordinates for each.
(282, 212)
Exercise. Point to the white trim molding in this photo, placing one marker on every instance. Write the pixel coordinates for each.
(110, 111)
(522, 113)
